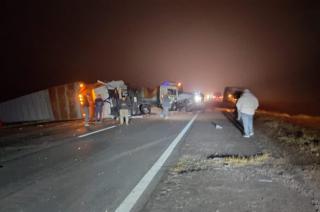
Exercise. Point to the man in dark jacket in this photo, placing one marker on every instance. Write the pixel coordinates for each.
(98, 103)
(124, 110)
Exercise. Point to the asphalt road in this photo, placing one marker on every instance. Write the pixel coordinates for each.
(93, 173)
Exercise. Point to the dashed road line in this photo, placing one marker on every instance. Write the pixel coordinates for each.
(87, 134)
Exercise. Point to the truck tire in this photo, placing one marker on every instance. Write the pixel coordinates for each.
(187, 106)
(173, 107)
(145, 109)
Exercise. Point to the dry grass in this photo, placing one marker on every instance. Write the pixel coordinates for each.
(302, 120)
(189, 164)
(306, 139)
(246, 161)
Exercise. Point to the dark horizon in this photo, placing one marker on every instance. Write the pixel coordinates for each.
(271, 48)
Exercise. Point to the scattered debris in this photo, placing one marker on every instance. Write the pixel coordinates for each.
(217, 155)
(136, 117)
(217, 126)
(265, 181)
(100, 173)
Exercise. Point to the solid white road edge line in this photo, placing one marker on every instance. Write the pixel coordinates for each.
(128, 203)
(84, 135)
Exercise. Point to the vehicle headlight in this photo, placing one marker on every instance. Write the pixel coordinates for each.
(197, 98)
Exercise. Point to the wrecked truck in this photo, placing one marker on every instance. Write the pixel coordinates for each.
(179, 100)
(114, 90)
(154, 97)
(189, 101)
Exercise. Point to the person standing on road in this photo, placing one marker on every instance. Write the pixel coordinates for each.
(98, 103)
(134, 105)
(165, 106)
(124, 110)
(86, 107)
(247, 106)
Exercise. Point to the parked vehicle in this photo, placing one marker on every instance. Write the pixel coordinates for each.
(217, 97)
(154, 97)
(189, 101)
(231, 95)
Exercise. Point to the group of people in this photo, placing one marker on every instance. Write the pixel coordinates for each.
(122, 107)
(246, 106)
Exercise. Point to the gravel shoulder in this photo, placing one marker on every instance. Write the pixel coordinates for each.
(218, 170)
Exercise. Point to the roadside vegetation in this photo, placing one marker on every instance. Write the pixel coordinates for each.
(293, 133)
(191, 164)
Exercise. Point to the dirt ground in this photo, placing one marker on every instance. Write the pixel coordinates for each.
(282, 175)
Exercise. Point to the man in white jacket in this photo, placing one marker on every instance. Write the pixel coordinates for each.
(247, 106)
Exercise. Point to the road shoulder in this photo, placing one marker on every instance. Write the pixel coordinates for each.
(199, 181)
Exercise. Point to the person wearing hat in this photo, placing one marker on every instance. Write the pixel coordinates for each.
(247, 105)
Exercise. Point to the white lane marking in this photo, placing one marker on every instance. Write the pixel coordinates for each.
(84, 135)
(128, 203)
(137, 149)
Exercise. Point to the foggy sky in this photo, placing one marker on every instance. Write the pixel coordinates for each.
(272, 48)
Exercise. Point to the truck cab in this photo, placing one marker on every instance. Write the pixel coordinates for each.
(168, 88)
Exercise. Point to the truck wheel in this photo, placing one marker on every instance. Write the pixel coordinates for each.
(174, 107)
(145, 109)
(186, 105)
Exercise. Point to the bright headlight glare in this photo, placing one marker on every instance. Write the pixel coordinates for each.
(197, 98)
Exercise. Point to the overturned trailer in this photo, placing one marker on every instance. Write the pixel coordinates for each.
(52, 104)
(64, 102)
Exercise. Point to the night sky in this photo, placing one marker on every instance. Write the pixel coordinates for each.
(271, 48)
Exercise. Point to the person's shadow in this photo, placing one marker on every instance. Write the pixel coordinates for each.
(232, 117)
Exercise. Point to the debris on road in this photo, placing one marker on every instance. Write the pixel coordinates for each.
(265, 181)
(136, 117)
(217, 126)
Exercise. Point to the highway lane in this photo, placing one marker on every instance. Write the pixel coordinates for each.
(94, 173)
